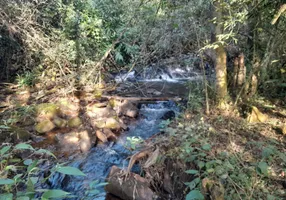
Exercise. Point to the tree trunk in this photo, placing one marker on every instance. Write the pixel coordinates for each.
(220, 66)
(221, 77)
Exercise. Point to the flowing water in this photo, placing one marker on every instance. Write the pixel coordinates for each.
(167, 81)
(97, 163)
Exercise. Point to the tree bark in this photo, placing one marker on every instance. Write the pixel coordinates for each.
(220, 66)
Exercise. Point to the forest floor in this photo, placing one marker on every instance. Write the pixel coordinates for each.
(223, 156)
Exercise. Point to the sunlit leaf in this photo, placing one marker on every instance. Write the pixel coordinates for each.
(70, 171)
(4, 127)
(4, 150)
(54, 194)
(6, 181)
(23, 146)
(6, 196)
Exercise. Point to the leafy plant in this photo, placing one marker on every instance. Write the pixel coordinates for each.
(94, 188)
(26, 79)
(133, 142)
(19, 176)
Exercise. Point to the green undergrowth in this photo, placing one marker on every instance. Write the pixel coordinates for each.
(227, 159)
(21, 169)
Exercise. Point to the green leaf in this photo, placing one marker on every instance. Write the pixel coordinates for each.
(93, 192)
(23, 198)
(6, 196)
(6, 181)
(195, 195)
(30, 185)
(193, 184)
(54, 194)
(271, 197)
(70, 171)
(4, 127)
(4, 150)
(44, 151)
(23, 146)
(192, 171)
(32, 166)
(100, 184)
(28, 161)
(263, 168)
(267, 152)
(201, 164)
(282, 156)
(118, 57)
(206, 147)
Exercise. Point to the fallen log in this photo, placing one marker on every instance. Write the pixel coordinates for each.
(140, 99)
(134, 187)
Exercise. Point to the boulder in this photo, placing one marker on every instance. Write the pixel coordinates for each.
(68, 107)
(45, 126)
(95, 112)
(20, 135)
(59, 122)
(68, 142)
(85, 142)
(74, 122)
(256, 116)
(109, 123)
(124, 187)
(46, 111)
(125, 107)
(169, 115)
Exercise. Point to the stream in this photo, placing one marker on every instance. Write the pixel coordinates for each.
(97, 163)
(162, 81)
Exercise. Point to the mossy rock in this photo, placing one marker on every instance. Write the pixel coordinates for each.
(74, 122)
(65, 105)
(47, 110)
(97, 93)
(59, 122)
(44, 126)
(20, 134)
(110, 123)
(14, 134)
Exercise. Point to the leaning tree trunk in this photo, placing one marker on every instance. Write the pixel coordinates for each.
(221, 73)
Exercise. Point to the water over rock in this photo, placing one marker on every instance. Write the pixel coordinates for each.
(169, 115)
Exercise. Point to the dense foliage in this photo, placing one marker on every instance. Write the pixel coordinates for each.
(74, 43)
